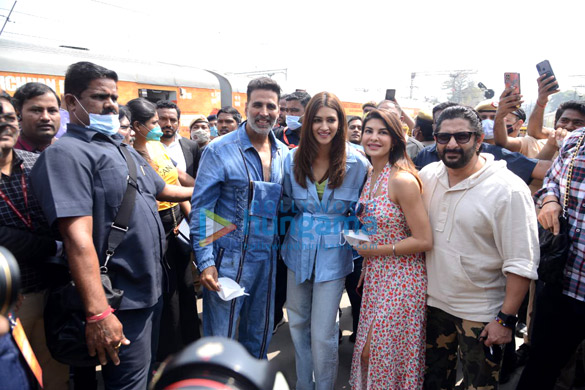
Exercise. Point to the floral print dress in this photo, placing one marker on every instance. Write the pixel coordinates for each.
(393, 302)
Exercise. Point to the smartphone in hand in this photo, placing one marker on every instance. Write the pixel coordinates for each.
(390, 94)
(545, 68)
(512, 80)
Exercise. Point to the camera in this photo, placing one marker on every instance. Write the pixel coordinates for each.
(217, 363)
(9, 281)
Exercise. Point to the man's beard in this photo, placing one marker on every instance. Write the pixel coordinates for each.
(168, 136)
(259, 130)
(463, 160)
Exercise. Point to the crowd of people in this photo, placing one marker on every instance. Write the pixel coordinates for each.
(429, 223)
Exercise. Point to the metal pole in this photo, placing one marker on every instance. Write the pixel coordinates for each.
(7, 18)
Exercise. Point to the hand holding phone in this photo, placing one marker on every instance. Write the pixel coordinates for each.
(544, 69)
(512, 80)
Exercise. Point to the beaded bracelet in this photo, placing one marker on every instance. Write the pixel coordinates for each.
(101, 316)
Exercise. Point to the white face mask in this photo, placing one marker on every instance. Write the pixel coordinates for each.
(105, 124)
(200, 136)
(292, 121)
(488, 128)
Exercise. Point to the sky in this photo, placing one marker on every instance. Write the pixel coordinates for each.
(351, 48)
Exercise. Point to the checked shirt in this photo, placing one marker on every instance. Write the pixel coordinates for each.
(555, 183)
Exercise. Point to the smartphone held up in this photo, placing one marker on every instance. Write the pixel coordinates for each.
(512, 80)
(544, 68)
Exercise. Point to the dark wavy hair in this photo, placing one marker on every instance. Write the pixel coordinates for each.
(308, 148)
(398, 156)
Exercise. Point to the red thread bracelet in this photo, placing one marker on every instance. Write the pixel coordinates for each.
(101, 316)
(540, 105)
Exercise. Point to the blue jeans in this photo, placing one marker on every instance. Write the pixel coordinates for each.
(314, 326)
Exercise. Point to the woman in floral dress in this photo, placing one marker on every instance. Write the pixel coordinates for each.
(390, 344)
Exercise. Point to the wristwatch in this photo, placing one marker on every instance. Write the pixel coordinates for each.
(506, 320)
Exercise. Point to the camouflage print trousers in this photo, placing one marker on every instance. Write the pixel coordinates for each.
(447, 333)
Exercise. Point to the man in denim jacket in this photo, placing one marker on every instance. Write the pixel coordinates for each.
(239, 185)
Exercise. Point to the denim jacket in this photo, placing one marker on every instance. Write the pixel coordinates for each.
(314, 242)
(221, 195)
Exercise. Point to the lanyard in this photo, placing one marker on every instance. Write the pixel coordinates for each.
(290, 146)
(27, 221)
(25, 349)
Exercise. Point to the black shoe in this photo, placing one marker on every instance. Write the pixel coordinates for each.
(522, 355)
(352, 337)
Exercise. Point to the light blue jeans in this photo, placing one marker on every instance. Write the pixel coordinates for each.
(314, 325)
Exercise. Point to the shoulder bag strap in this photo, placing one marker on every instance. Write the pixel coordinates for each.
(120, 224)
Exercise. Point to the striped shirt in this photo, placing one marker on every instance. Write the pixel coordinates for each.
(555, 183)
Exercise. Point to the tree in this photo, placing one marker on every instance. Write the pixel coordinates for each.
(561, 97)
(462, 90)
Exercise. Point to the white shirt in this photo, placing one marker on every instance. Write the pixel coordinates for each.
(483, 228)
(175, 152)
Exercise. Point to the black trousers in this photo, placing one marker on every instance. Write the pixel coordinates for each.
(179, 325)
(355, 297)
(559, 327)
(280, 289)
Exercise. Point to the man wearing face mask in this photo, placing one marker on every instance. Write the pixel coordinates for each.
(80, 182)
(487, 113)
(295, 109)
(184, 152)
(508, 121)
(212, 119)
(200, 132)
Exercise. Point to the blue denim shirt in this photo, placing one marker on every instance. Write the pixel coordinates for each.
(314, 242)
(221, 193)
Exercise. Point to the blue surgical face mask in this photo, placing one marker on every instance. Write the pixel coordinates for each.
(213, 131)
(488, 128)
(292, 121)
(106, 124)
(154, 134)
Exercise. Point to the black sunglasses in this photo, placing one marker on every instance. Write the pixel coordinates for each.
(462, 137)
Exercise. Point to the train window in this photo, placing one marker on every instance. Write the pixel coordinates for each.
(154, 95)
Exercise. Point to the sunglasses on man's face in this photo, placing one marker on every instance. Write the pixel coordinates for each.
(462, 137)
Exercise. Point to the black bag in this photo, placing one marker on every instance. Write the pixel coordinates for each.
(65, 317)
(65, 323)
(553, 253)
(554, 250)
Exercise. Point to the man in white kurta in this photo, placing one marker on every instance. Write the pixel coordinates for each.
(485, 251)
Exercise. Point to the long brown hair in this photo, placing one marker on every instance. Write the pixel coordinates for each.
(308, 148)
(397, 156)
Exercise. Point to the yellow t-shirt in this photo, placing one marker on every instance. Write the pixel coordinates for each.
(163, 165)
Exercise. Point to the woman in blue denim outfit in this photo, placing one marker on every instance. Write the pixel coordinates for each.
(322, 181)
